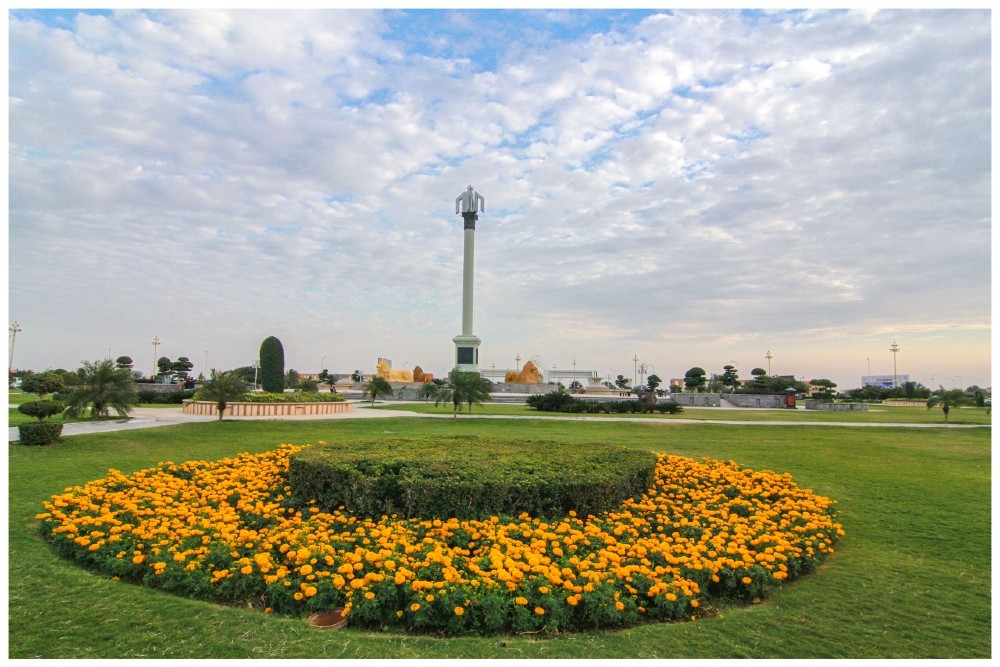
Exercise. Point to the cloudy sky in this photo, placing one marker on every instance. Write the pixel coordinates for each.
(694, 188)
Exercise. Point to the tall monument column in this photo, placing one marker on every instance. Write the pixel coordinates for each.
(469, 203)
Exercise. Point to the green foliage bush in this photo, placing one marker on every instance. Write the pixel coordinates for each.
(561, 401)
(147, 396)
(39, 433)
(272, 365)
(41, 409)
(468, 477)
(293, 397)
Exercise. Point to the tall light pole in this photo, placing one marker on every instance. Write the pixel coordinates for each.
(156, 343)
(517, 362)
(894, 349)
(469, 203)
(635, 368)
(769, 356)
(14, 328)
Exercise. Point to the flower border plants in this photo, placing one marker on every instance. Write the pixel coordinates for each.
(226, 531)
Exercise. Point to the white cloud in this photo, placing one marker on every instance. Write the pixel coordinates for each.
(697, 185)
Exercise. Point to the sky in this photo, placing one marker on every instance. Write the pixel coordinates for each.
(685, 188)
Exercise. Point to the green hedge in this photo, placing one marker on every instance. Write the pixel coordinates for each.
(561, 401)
(39, 433)
(468, 477)
(293, 397)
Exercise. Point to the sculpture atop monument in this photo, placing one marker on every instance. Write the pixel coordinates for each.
(527, 375)
(469, 202)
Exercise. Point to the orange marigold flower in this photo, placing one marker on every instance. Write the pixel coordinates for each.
(459, 611)
(539, 611)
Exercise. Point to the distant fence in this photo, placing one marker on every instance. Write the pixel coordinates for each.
(265, 409)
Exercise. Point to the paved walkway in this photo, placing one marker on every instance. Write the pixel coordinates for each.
(152, 417)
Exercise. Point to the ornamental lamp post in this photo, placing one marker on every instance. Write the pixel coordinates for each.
(156, 343)
(14, 328)
(894, 348)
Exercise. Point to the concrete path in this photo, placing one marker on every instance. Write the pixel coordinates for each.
(152, 417)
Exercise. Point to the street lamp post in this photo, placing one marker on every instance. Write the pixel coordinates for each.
(156, 343)
(635, 367)
(769, 356)
(894, 348)
(14, 328)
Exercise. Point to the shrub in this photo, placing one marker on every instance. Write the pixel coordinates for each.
(40, 433)
(560, 401)
(468, 477)
(41, 409)
(294, 397)
(272, 365)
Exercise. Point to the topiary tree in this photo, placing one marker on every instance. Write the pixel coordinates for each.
(42, 383)
(41, 409)
(272, 365)
(694, 379)
(124, 362)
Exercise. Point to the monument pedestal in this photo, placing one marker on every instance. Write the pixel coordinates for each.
(467, 353)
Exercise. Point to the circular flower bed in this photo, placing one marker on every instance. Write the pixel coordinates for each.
(225, 531)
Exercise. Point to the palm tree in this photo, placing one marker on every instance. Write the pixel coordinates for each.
(378, 386)
(223, 388)
(463, 387)
(102, 387)
(429, 390)
(946, 398)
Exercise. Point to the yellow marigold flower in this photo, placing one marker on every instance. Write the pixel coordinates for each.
(694, 603)
(521, 601)
(306, 569)
(539, 611)
(369, 595)
(747, 580)
(310, 591)
(429, 598)
(414, 607)
(619, 605)
(298, 595)
(572, 600)
(138, 559)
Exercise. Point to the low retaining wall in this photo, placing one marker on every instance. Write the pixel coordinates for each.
(836, 407)
(265, 409)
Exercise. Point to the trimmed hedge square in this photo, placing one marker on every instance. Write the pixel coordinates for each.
(468, 477)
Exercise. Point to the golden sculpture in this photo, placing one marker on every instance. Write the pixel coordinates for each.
(420, 376)
(382, 370)
(527, 375)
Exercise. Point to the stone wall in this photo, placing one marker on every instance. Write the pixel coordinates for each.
(835, 407)
(696, 400)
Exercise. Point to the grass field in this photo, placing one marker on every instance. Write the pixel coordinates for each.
(876, 415)
(910, 579)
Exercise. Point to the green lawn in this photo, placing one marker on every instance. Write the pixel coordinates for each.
(910, 579)
(877, 414)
